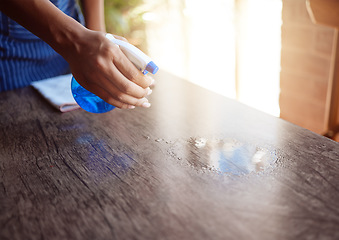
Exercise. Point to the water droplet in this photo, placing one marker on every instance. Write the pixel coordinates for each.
(230, 156)
(199, 142)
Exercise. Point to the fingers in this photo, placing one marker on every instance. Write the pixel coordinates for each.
(116, 82)
(120, 38)
(133, 74)
(119, 99)
(127, 68)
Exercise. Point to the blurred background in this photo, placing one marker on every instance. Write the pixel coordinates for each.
(267, 54)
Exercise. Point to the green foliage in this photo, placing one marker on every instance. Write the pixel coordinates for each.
(124, 18)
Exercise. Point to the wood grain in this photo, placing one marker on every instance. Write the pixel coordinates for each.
(326, 12)
(195, 165)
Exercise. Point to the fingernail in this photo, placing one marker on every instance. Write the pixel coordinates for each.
(146, 105)
(152, 80)
(131, 107)
(149, 91)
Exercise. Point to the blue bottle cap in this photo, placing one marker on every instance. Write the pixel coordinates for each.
(151, 67)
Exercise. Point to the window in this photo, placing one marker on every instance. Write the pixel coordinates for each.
(231, 47)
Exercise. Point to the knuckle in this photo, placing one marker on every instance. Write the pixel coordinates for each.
(127, 87)
(115, 53)
(133, 75)
(146, 82)
(100, 63)
(120, 97)
(114, 49)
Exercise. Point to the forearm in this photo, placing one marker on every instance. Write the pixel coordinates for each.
(46, 21)
(93, 11)
(97, 64)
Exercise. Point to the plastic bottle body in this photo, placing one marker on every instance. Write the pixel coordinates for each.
(87, 100)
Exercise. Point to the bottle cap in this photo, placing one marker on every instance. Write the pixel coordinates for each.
(151, 67)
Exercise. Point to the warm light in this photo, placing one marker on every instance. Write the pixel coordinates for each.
(259, 55)
(197, 40)
(211, 45)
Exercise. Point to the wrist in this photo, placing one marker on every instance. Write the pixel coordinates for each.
(67, 36)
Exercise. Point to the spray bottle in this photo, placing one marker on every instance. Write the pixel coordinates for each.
(92, 103)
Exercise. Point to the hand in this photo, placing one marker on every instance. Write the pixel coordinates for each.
(102, 68)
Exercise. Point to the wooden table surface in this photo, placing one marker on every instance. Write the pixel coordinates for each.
(195, 165)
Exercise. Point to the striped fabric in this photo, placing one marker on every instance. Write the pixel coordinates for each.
(24, 57)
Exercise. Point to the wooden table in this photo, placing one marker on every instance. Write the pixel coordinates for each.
(195, 165)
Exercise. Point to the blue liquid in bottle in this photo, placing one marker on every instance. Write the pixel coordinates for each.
(87, 100)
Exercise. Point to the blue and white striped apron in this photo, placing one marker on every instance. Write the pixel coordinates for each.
(24, 57)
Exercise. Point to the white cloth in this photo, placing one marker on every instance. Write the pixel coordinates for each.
(57, 91)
